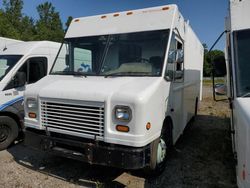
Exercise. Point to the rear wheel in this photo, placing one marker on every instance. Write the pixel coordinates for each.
(8, 131)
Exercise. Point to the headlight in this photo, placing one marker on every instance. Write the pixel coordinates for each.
(123, 113)
(31, 103)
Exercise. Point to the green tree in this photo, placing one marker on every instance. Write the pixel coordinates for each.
(70, 18)
(49, 25)
(10, 18)
(27, 29)
(208, 59)
(13, 11)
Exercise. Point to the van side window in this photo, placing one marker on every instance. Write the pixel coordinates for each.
(34, 68)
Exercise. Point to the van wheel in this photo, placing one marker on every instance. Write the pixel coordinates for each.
(160, 151)
(8, 131)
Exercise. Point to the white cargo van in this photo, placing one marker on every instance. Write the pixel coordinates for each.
(238, 84)
(123, 94)
(4, 42)
(21, 64)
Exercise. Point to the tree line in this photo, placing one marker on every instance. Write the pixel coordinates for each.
(14, 24)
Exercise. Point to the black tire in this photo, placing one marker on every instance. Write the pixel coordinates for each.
(158, 166)
(8, 131)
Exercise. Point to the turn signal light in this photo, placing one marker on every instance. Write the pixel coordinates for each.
(32, 115)
(122, 128)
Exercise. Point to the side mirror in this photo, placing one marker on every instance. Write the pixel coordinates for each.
(219, 66)
(219, 83)
(20, 79)
(179, 57)
(220, 89)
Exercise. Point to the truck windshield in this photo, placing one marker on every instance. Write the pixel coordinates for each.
(6, 64)
(129, 54)
(242, 59)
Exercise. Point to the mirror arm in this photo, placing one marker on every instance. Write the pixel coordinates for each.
(217, 40)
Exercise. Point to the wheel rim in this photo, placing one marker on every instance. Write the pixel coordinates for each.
(4, 132)
(161, 151)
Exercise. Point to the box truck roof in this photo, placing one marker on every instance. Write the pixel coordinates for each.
(147, 19)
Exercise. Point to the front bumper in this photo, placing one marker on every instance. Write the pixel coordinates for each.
(89, 151)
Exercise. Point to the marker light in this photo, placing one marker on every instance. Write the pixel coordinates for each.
(122, 128)
(148, 126)
(129, 13)
(32, 115)
(115, 15)
(165, 8)
(103, 17)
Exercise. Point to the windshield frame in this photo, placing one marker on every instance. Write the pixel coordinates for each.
(239, 92)
(104, 53)
(18, 58)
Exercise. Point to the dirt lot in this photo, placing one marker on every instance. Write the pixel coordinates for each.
(202, 159)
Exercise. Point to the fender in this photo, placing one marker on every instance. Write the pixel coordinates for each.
(14, 107)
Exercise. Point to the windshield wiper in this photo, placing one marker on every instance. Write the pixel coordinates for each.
(69, 73)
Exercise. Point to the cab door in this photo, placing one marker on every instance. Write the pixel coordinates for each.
(175, 74)
(30, 72)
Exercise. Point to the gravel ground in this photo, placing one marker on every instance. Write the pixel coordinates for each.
(202, 158)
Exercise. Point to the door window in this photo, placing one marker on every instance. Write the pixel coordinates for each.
(34, 68)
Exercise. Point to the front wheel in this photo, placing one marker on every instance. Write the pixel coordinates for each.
(8, 131)
(160, 151)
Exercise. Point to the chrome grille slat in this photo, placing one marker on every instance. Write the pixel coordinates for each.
(67, 110)
(73, 118)
(75, 108)
(45, 120)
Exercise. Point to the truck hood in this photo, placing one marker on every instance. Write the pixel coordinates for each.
(95, 88)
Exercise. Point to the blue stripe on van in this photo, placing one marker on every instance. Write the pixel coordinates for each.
(5, 105)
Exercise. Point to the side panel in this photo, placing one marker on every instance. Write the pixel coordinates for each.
(193, 74)
(239, 10)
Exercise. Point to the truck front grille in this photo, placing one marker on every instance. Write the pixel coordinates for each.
(76, 118)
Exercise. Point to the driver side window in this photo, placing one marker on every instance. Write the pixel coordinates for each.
(34, 68)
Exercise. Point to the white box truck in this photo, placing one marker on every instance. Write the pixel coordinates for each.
(237, 53)
(124, 92)
(21, 65)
